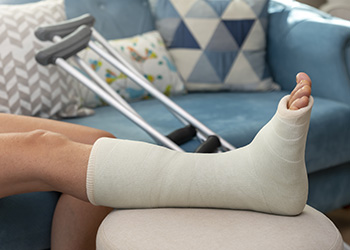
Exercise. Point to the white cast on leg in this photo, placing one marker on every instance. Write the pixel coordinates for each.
(268, 175)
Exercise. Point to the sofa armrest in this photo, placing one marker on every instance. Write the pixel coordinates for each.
(301, 38)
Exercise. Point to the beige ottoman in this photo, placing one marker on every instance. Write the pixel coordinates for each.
(202, 229)
(338, 8)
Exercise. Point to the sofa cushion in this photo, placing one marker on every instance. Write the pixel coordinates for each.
(26, 220)
(26, 87)
(238, 122)
(115, 19)
(148, 55)
(217, 44)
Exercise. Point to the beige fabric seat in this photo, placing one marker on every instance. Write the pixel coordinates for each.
(338, 8)
(202, 229)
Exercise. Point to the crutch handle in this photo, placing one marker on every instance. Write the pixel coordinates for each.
(210, 145)
(182, 135)
(66, 48)
(62, 29)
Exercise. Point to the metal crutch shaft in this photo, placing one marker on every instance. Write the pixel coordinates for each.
(178, 136)
(97, 37)
(111, 101)
(140, 80)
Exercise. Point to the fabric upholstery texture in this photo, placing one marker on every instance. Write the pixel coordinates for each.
(113, 17)
(292, 27)
(148, 55)
(26, 87)
(28, 219)
(189, 229)
(217, 45)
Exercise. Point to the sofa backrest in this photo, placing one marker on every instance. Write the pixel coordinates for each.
(113, 16)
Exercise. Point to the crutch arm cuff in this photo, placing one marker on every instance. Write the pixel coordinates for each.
(66, 48)
(62, 29)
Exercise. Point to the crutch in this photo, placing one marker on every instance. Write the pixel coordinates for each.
(210, 140)
(48, 33)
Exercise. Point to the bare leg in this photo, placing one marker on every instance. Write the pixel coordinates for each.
(75, 222)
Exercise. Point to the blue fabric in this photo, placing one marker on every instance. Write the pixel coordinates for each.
(183, 38)
(226, 35)
(25, 221)
(330, 185)
(238, 121)
(239, 29)
(301, 38)
(114, 19)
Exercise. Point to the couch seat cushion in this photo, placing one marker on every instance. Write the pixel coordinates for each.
(237, 117)
(216, 229)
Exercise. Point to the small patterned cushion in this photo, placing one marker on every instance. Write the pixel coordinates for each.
(217, 45)
(147, 54)
(26, 87)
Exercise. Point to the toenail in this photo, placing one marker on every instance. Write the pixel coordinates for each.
(301, 77)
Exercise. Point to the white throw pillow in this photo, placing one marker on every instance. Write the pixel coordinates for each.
(147, 54)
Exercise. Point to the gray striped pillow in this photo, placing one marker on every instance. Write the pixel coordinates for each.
(26, 87)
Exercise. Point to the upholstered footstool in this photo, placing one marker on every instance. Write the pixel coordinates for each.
(338, 8)
(202, 229)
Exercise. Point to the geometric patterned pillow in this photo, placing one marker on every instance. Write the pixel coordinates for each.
(217, 45)
(26, 87)
(148, 55)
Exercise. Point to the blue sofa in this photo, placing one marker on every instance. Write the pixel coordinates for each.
(300, 38)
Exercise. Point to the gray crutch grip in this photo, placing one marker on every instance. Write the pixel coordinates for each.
(66, 48)
(47, 33)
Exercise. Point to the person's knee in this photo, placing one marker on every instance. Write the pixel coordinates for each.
(45, 138)
(97, 133)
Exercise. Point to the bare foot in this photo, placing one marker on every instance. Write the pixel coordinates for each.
(299, 98)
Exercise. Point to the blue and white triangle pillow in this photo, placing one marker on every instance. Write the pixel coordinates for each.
(217, 45)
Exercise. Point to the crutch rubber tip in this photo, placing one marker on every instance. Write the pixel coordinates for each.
(182, 135)
(210, 145)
